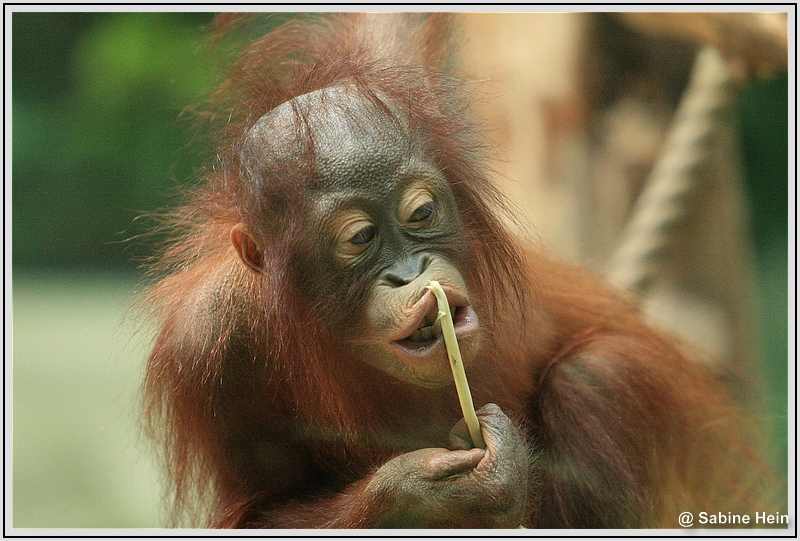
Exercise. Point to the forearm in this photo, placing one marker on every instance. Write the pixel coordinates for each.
(358, 506)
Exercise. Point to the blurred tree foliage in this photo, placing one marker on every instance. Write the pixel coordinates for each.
(764, 115)
(96, 141)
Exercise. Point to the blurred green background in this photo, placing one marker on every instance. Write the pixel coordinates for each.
(96, 100)
(97, 140)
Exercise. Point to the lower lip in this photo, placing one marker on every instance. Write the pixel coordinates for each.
(465, 323)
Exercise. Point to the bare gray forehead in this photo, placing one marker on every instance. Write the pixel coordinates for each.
(353, 141)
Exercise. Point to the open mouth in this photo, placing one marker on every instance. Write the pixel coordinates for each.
(425, 334)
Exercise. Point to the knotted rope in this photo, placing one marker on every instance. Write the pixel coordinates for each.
(665, 199)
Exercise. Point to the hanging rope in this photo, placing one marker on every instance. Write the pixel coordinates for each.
(665, 199)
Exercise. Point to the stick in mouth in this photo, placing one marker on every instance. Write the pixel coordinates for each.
(456, 364)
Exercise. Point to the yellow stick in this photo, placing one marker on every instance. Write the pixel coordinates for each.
(456, 365)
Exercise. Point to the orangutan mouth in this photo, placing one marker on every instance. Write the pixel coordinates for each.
(428, 333)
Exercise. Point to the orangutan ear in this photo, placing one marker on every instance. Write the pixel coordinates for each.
(249, 252)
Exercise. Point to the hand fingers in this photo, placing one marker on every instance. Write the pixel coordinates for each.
(446, 463)
(494, 424)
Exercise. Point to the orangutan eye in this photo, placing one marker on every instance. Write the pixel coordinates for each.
(424, 213)
(354, 233)
(363, 237)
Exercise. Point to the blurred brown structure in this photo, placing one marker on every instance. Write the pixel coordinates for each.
(584, 103)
